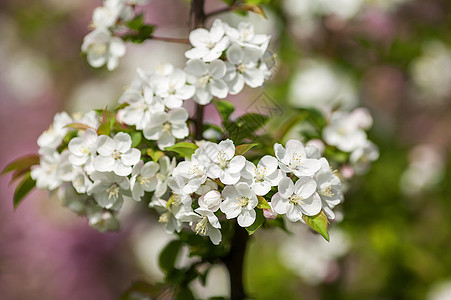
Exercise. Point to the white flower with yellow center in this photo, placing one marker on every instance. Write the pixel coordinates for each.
(246, 37)
(116, 154)
(263, 176)
(224, 164)
(293, 158)
(143, 179)
(328, 188)
(208, 45)
(108, 189)
(208, 79)
(54, 168)
(172, 88)
(102, 48)
(239, 202)
(82, 149)
(206, 224)
(166, 127)
(298, 199)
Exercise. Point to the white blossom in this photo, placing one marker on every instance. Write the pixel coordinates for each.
(108, 189)
(54, 168)
(242, 67)
(208, 79)
(166, 168)
(298, 199)
(246, 37)
(362, 157)
(166, 127)
(53, 136)
(225, 165)
(293, 158)
(107, 15)
(170, 214)
(345, 130)
(207, 224)
(208, 185)
(239, 202)
(82, 149)
(328, 188)
(173, 88)
(143, 179)
(116, 154)
(208, 45)
(263, 176)
(194, 169)
(142, 103)
(102, 48)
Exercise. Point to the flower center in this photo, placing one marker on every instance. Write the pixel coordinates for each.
(295, 199)
(242, 68)
(167, 127)
(223, 163)
(327, 191)
(202, 82)
(113, 192)
(195, 170)
(243, 201)
(201, 226)
(116, 154)
(99, 49)
(261, 173)
(296, 159)
(85, 150)
(143, 180)
(164, 218)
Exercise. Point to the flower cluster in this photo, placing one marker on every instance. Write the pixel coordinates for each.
(101, 45)
(215, 182)
(223, 59)
(346, 131)
(98, 159)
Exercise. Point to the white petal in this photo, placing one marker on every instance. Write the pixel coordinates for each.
(286, 187)
(235, 55)
(180, 131)
(131, 157)
(312, 205)
(196, 67)
(122, 141)
(196, 53)
(198, 37)
(246, 218)
(178, 116)
(229, 178)
(217, 69)
(120, 169)
(218, 88)
(236, 164)
(105, 145)
(261, 188)
(103, 163)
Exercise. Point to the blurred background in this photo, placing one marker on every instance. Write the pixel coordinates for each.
(392, 237)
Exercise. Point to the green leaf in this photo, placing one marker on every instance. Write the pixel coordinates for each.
(136, 22)
(184, 293)
(278, 222)
(259, 220)
(262, 203)
(225, 108)
(23, 188)
(155, 154)
(318, 223)
(169, 254)
(241, 149)
(184, 149)
(136, 138)
(104, 129)
(22, 163)
(252, 121)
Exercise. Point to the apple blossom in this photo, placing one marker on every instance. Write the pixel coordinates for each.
(143, 179)
(225, 165)
(263, 176)
(239, 202)
(298, 199)
(208, 45)
(328, 188)
(108, 189)
(294, 159)
(166, 127)
(116, 154)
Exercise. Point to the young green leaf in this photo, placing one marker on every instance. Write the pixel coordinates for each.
(23, 188)
(184, 149)
(318, 223)
(262, 203)
(259, 220)
(225, 108)
(21, 163)
(136, 138)
(169, 255)
(241, 149)
(155, 154)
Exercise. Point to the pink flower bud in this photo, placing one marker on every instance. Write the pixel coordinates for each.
(269, 214)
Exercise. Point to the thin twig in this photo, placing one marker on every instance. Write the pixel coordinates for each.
(220, 11)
